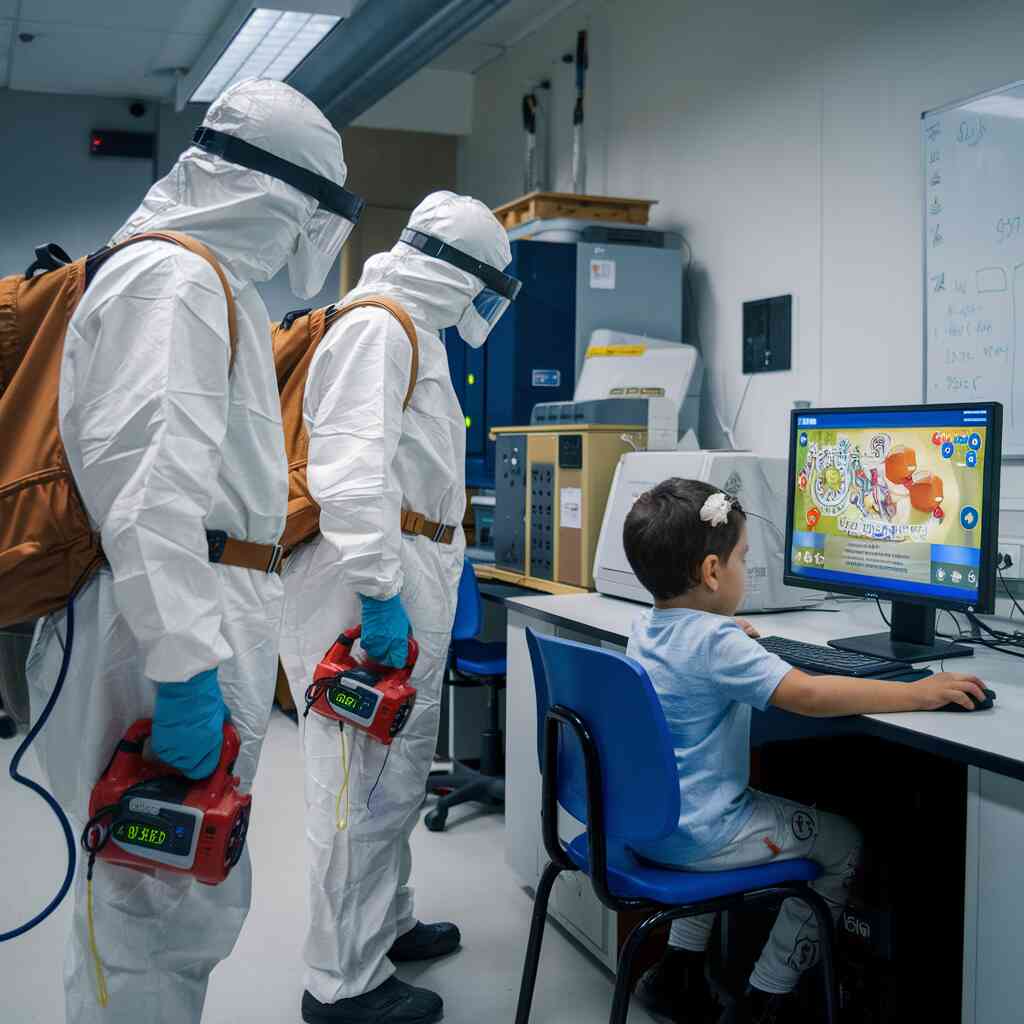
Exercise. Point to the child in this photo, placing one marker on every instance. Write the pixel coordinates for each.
(687, 544)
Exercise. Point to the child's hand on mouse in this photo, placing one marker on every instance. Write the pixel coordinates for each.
(948, 688)
(749, 628)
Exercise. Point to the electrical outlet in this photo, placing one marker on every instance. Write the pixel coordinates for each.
(1015, 550)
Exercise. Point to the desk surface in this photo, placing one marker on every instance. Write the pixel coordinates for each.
(990, 739)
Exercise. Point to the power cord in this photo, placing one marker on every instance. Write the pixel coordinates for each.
(1006, 562)
(727, 432)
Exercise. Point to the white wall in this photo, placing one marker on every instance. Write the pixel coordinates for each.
(54, 190)
(783, 140)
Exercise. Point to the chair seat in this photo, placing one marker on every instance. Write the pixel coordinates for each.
(631, 878)
(480, 657)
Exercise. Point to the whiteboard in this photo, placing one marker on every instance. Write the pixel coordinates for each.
(974, 255)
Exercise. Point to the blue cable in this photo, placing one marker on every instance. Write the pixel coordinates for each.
(36, 788)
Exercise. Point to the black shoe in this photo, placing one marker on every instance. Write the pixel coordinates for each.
(757, 1007)
(677, 990)
(425, 942)
(394, 1002)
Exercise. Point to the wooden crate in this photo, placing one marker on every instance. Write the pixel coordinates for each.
(555, 205)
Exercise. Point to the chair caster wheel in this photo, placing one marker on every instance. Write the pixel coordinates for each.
(9, 729)
(436, 821)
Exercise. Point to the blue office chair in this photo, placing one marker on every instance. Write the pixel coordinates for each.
(606, 756)
(473, 662)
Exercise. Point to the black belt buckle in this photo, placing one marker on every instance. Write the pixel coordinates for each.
(276, 557)
(217, 540)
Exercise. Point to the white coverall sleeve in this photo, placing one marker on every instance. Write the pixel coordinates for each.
(151, 416)
(357, 383)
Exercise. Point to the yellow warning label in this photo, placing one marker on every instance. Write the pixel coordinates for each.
(616, 350)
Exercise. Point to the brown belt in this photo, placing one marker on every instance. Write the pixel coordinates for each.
(419, 525)
(243, 553)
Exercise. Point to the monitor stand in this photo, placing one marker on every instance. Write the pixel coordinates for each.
(911, 638)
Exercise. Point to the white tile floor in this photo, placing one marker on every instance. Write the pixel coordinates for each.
(459, 875)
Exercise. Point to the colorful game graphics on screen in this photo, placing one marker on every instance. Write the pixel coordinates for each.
(897, 507)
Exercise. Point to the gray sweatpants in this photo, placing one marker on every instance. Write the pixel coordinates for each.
(781, 830)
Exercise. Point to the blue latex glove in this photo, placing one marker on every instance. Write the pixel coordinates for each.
(385, 636)
(188, 724)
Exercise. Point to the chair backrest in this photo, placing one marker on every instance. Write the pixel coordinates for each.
(614, 697)
(468, 615)
(540, 691)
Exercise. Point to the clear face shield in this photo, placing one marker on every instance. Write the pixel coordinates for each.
(320, 239)
(498, 293)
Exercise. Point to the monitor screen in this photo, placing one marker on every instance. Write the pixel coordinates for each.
(900, 502)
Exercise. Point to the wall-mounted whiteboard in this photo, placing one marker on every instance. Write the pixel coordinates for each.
(974, 255)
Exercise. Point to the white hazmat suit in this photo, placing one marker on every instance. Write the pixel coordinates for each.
(165, 442)
(367, 462)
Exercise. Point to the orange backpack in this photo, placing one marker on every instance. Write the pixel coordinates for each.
(48, 548)
(296, 339)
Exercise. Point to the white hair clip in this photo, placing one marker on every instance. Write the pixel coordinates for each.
(715, 511)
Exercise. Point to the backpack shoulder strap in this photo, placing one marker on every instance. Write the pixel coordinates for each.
(193, 246)
(400, 314)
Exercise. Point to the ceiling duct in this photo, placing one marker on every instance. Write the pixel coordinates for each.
(384, 43)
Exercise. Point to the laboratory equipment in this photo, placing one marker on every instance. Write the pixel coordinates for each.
(551, 492)
(618, 277)
(143, 814)
(376, 699)
(760, 485)
(631, 379)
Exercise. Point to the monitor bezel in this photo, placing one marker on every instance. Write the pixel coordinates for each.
(985, 604)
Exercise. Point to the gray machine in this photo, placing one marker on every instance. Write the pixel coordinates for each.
(628, 278)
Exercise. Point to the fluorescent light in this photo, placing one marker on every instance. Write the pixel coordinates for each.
(269, 44)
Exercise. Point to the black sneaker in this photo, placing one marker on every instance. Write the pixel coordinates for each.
(425, 942)
(757, 1007)
(677, 990)
(394, 1002)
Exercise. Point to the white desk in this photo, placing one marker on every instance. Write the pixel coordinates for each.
(991, 743)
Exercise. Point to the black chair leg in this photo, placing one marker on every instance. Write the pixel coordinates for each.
(624, 973)
(826, 942)
(533, 947)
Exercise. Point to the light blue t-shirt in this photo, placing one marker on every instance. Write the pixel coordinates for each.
(708, 674)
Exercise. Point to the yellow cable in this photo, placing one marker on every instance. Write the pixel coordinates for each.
(102, 997)
(342, 822)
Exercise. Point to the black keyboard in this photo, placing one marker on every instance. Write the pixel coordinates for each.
(815, 658)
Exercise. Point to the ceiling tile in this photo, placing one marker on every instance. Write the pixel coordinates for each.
(97, 62)
(8, 8)
(123, 15)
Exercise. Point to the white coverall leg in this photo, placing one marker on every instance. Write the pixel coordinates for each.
(367, 461)
(165, 442)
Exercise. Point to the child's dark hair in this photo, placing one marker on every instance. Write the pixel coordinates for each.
(666, 541)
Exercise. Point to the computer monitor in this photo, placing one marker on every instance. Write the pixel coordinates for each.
(900, 503)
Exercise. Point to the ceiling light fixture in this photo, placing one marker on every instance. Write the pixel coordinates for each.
(268, 44)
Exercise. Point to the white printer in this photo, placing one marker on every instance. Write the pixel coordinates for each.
(628, 378)
(760, 485)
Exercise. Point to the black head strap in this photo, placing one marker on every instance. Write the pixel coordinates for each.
(505, 285)
(327, 193)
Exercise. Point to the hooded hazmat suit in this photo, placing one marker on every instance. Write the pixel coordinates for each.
(165, 442)
(367, 462)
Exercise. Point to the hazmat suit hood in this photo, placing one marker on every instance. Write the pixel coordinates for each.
(436, 293)
(253, 222)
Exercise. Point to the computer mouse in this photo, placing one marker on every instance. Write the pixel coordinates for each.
(979, 705)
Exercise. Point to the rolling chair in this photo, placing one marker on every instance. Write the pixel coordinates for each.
(473, 662)
(606, 756)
